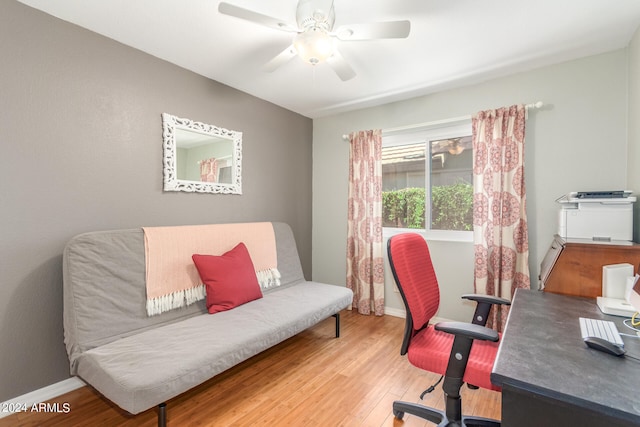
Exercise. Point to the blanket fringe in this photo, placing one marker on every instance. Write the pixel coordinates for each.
(269, 278)
(176, 299)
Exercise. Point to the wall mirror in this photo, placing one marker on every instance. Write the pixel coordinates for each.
(201, 158)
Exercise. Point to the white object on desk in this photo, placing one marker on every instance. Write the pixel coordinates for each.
(631, 282)
(614, 280)
(615, 306)
(614, 290)
(604, 329)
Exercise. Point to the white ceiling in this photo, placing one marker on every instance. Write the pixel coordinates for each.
(452, 43)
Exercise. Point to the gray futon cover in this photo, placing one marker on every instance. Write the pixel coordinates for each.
(138, 361)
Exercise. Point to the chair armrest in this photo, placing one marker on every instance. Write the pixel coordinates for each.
(490, 299)
(484, 304)
(468, 330)
(464, 335)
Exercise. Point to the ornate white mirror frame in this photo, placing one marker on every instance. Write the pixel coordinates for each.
(217, 154)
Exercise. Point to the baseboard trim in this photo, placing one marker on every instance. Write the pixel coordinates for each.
(395, 312)
(41, 395)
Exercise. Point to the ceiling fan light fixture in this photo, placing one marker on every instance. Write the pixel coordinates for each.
(455, 147)
(314, 45)
(454, 151)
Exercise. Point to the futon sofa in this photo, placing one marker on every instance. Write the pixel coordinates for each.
(140, 361)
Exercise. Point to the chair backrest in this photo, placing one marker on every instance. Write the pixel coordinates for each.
(413, 272)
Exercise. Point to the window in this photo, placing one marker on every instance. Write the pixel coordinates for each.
(427, 178)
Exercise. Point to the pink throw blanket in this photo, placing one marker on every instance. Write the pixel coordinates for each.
(171, 277)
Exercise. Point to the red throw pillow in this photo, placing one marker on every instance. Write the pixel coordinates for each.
(230, 279)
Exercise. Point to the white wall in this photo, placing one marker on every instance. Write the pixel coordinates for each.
(633, 161)
(578, 141)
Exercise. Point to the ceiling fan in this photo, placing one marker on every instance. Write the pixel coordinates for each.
(315, 39)
(454, 146)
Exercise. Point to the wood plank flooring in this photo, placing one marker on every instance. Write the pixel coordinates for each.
(312, 379)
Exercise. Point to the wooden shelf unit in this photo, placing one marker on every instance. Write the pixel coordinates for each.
(574, 266)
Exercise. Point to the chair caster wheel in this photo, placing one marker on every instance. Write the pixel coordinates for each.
(398, 414)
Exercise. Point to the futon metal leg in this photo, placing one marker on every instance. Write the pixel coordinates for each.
(337, 316)
(162, 415)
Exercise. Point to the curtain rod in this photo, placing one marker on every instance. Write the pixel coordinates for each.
(533, 105)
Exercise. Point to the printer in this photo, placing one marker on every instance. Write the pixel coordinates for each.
(596, 215)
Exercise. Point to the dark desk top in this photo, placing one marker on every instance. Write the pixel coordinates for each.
(542, 351)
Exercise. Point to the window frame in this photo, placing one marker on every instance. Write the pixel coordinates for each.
(429, 132)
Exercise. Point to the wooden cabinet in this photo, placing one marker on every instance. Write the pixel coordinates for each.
(574, 266)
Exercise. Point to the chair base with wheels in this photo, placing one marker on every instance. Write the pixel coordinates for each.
(439, 417)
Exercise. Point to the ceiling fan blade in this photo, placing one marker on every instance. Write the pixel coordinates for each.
(280, 59)
(258, 18)
(341, 66)
(374, 30)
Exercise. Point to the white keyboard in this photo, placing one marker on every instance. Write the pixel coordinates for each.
(604, 329)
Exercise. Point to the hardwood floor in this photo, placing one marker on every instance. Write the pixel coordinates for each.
(312, 379)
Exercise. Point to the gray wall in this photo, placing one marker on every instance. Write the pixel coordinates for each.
(633, 160)
(578, 141)
(81, 150)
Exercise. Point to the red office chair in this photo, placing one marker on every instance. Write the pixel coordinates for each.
(461, 352)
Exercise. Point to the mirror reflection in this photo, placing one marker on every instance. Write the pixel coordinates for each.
(204, 158)
(201, 158)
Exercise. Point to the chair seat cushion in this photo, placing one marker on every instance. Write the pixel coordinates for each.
(430, 350)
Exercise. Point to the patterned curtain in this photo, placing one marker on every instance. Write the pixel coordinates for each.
(209, 170)
(499, 218)
(365, 265)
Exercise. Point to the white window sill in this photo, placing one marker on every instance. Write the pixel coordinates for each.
(437, 235)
